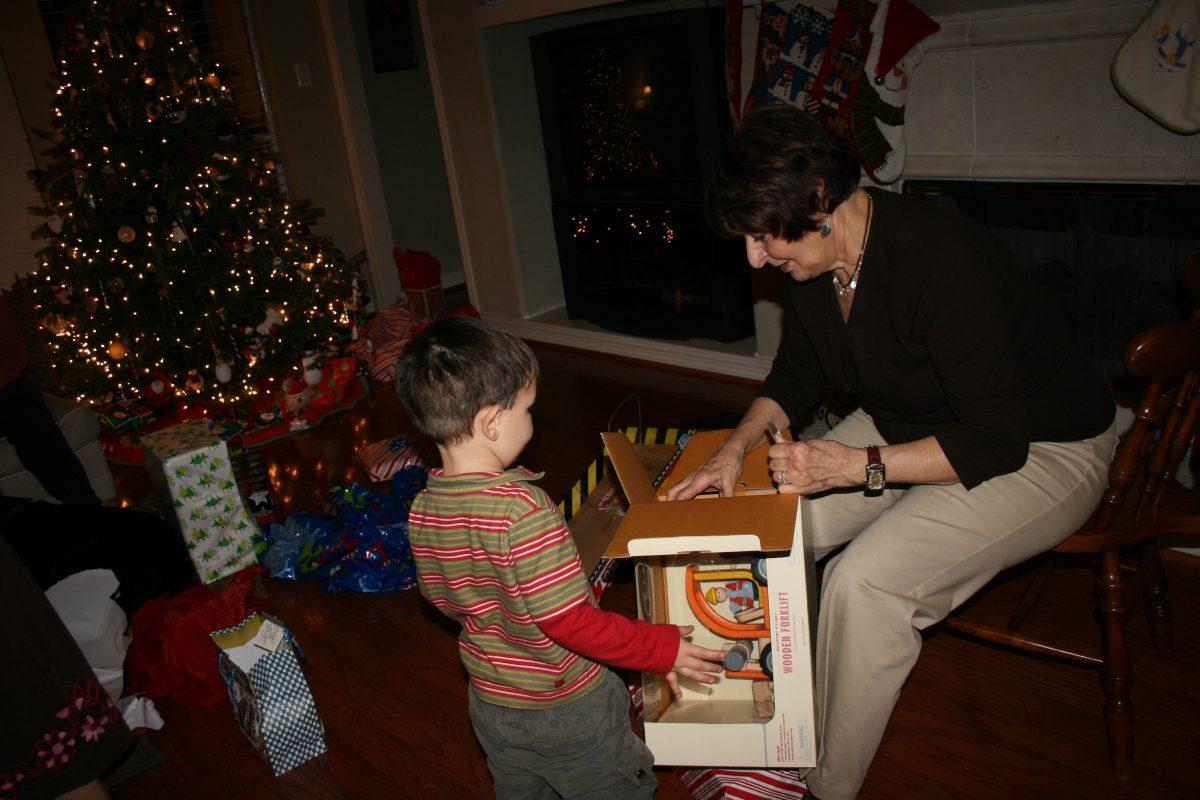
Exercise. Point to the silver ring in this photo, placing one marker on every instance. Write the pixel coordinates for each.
(781, 476)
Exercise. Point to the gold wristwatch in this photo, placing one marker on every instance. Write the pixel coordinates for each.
(876, 472)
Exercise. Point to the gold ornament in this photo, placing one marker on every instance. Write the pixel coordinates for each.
(126, 234)
(117, 351)
(144, 39)
(212, 80)
(194, 381)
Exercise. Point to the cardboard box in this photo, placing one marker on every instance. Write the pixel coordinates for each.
(757, 536)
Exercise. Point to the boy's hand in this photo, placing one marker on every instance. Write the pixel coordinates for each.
(693, 662)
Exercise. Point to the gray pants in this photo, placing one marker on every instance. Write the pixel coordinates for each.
(584, 749)
(913, 556)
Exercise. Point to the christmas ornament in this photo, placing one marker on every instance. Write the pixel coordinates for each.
(117, 351)
(154, 110)
(177, 233)
(212, 80)
(148, 79)
(296, 396)
(159, 392)
(272, 320)
(54, 223)
(151, 215)
(144, 39)
(194, 381)
(223, 372)
(177, 115)
(126, 234)
(311, 363)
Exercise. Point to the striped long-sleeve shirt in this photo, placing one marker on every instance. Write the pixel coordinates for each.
(494, 554)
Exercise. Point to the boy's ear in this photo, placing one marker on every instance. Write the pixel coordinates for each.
(487, 422)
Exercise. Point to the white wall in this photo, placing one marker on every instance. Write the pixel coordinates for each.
(1028, 97)
(409, 149)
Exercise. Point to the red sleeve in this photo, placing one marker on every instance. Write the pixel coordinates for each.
(614, 639)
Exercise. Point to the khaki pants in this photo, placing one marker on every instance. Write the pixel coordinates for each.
(913, 555)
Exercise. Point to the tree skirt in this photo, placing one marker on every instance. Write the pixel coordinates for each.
(125, 449)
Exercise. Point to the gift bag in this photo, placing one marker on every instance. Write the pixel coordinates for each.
(1154, 70)
(190, 462)
(271, 700)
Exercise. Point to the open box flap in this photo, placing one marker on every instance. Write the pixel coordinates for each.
(762, 523)
(756, 472)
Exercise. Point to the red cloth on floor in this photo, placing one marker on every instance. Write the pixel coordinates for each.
(172, 654)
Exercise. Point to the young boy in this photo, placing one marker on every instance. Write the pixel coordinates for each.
(494, 554)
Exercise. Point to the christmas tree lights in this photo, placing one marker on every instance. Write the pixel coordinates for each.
(172, 258)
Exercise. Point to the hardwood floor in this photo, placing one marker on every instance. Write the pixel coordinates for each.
(972, 722)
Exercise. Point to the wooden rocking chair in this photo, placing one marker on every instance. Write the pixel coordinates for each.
(1142, 503)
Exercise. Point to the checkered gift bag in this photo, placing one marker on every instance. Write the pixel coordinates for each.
(271, 700)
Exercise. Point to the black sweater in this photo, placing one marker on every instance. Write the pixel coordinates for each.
(947, 337)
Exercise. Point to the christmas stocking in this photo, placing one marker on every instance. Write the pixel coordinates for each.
(1154, 68)
(899, 36)
(841, 75)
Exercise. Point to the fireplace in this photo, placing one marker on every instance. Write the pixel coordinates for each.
(1107, 255)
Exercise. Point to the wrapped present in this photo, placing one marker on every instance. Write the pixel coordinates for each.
(336, 377)
(390, 331)
(744, 784)
(371, 552)
(271, 700)
(190, 462)
(124, 415)
(294, 549)
(385, 458)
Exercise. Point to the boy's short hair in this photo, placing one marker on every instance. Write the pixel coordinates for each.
(457, 367)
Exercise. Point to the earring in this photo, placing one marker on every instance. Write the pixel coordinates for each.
(825, 229)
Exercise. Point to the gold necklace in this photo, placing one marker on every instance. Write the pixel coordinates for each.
(849, 286)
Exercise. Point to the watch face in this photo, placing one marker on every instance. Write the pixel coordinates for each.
(875, 478)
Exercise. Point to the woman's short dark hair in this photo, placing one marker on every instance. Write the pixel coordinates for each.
(780, 171)
(457, 367)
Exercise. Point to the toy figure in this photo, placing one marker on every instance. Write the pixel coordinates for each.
(741, 594)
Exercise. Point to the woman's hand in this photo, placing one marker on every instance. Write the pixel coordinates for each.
(720, 472)
(815, 466)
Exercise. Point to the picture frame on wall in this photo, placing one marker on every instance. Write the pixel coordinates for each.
(390, 31)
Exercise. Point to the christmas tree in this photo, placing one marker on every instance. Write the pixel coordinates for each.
(173, 260)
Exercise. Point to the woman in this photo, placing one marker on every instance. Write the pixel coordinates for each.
(983, 436)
